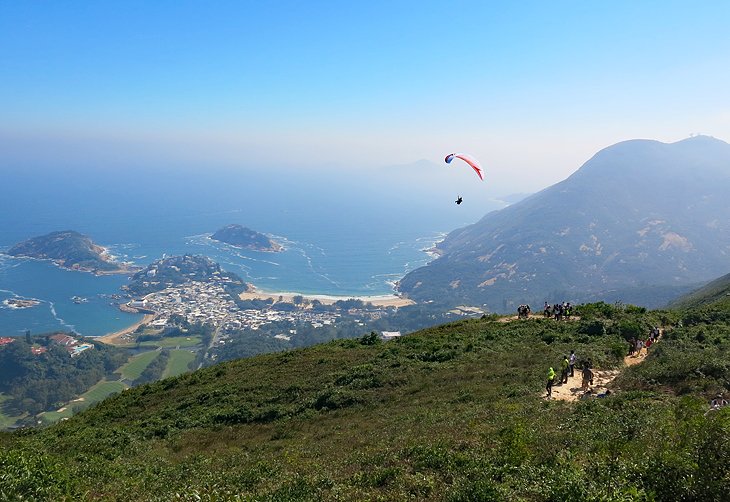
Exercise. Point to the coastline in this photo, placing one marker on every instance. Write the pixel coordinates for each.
(375, 300)
(116, 337)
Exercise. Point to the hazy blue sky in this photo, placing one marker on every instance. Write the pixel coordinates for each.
(533, 89)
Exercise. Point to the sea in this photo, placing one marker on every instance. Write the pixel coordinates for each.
(344, 233)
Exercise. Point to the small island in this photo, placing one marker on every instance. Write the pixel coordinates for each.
(71, 250)
(20, 303)
(245, 238)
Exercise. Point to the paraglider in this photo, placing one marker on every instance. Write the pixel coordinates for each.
(469, 160)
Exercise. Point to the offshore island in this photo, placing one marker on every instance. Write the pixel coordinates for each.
(245, 238)
(73, 251)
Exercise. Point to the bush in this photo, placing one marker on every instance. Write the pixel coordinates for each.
(592, 328)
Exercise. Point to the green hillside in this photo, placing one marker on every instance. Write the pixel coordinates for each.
(455, 412)
(717, 291)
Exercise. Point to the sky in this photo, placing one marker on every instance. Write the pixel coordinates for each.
(532, 89)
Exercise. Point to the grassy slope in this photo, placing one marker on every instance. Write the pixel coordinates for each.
(451, 413)
(715, 291)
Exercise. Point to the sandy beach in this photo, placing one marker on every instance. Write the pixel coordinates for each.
(377, 300)
(116, 337)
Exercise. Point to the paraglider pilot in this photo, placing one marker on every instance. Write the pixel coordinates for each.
(458, 200)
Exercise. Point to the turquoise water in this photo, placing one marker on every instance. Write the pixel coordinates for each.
(342, 235)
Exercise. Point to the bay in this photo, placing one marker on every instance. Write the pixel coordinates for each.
(343, 235)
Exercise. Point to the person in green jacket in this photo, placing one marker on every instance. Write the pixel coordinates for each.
(565, 370)
(549, 386)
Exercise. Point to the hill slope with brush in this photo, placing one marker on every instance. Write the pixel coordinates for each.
(454, 412)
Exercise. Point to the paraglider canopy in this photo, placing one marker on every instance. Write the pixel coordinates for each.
(468, 159)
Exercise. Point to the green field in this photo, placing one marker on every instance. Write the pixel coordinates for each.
(97, 393)
(178, 363)
(134, 368)
(173, 341)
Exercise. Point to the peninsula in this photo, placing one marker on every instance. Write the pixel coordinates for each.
(245, 238)
(71, 250)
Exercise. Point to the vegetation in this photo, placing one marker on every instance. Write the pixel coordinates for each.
(97, 393)
(38, 382)
(247, 343)
(717, 291)
(453, 412)
(8, 417)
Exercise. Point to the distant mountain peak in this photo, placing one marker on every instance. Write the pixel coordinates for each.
(638, 221)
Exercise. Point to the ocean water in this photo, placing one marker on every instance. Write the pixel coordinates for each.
(343, 235)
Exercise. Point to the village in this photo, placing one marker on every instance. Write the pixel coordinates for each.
(209, 303)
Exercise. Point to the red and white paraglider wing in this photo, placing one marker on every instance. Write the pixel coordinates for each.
(468, 159)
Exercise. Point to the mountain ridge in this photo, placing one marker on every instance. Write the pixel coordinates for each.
(638, 214)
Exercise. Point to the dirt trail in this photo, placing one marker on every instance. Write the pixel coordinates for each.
(572, 391)
(535, 316)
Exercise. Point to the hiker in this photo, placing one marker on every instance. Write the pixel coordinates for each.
(718, 402)
(546, 310)
(550, 378)
(572, 363)
(604, 394)
(523, 311)
(587, 377)
(564, 365)
(558, 312)
(632, 346)
(586, 395)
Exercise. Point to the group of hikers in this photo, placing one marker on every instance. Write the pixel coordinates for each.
(523, 311)
(559, 311)
(567, 369)
(717, 403)
(636, 346)
(568, 364)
